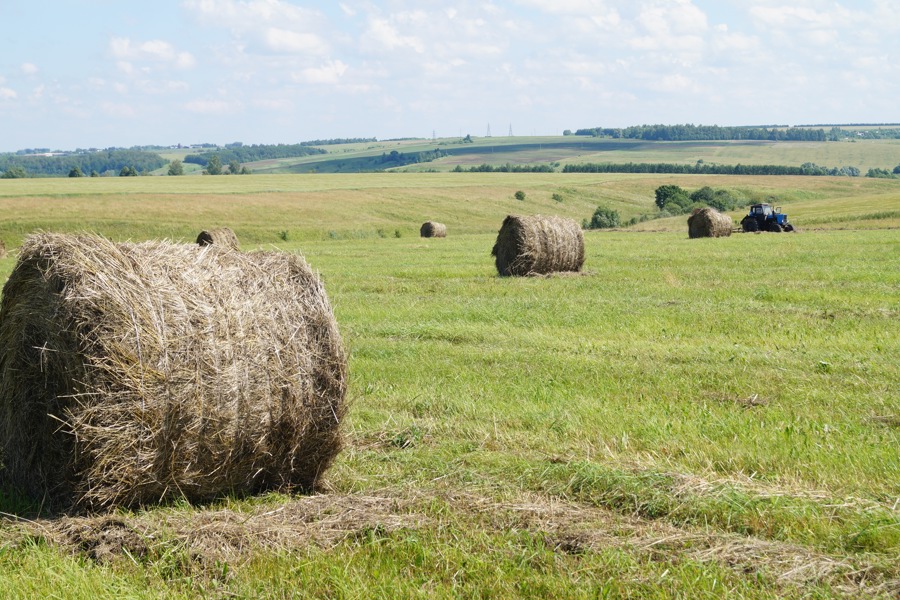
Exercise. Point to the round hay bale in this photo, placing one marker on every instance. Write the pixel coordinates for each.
(708, 222)
(538, 245)
(433, 229)
(136, 373)
(220, 236)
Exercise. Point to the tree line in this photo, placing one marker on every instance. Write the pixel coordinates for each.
(704, 168)
(104, 162)
(684, 133)
(507, 168)
(253, 153)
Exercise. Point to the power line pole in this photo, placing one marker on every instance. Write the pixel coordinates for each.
(489, 130)
(510, 130)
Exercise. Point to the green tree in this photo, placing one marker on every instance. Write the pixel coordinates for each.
(669, 193)
(672, 199)
(604, 218)
(176, 168)
(128, 172)
(703, 196)
(234, 167)
(14, 173)
(94, 173)
(75, 172)
(214, 166)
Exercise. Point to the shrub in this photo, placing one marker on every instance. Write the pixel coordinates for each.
(604, 218)
(557, 197)
(520, 195)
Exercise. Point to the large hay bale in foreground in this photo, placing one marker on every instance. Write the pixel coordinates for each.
(136, 373)
(708, 222)
(219, 236)
(433, 229)
(538, 245)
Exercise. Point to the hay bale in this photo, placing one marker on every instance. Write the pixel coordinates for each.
(135, 373)
(538, 245)
(708, 222)
(433, 229)
(220, 236)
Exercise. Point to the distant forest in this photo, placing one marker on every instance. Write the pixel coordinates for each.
(702, 168)
(773, 133)
(686, 133)
(255, 152)
(97, 163)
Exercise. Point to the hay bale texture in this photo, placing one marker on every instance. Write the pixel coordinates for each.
(708, 222)
(538, 245)
(136, 373)
(220, 236)
(433, 229)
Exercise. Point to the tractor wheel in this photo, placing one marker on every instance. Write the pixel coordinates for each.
(773, 226)
(749, 225)
(788, 227)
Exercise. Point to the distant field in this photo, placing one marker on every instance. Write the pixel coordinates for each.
(863, 154)
(712, 418)
(261, 207)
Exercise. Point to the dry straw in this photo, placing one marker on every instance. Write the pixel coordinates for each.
(708, 222)
(220, 236)
(137, 373)
(538, 245)
(433, 229)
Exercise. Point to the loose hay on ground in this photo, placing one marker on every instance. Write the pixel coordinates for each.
(537, 245)
(708, 222)
(433, 229)
(220, 236)
(136, 373)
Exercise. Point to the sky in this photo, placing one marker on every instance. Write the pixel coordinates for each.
(102, 73)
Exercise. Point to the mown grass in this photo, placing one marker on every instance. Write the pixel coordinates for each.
(738, 389)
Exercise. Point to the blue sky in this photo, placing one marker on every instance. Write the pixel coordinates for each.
(100, 73)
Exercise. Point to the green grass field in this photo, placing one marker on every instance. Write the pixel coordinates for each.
(688, 418)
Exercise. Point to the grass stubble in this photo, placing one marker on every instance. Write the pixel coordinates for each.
(692, 418)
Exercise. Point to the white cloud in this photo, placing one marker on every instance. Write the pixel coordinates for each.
(154, 51)
(29, 68)
(330, 72)
(8, 93)
(271, 25)
(383, 35)
(292, 42)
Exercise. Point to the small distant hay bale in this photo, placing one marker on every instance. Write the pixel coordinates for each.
(708, 222)
(220, 236)
(433, 229)
(538, 245)
(137, 373)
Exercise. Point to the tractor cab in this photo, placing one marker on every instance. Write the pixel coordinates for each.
(763, 217)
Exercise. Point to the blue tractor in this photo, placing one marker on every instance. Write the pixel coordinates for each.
(763, 217)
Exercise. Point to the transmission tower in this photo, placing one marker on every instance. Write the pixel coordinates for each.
(510, 130)
(489, 130)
